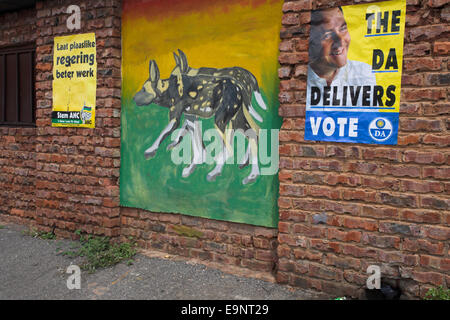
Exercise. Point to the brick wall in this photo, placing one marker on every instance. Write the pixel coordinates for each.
(226, 243)
(77, 169)
(76, 181)
(343, 206)
(17, 145)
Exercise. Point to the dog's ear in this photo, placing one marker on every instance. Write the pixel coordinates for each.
(177, 59)
(184, 63)
(153, 71)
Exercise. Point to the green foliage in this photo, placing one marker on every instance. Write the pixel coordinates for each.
(99, 252)
(39, 234)
(46, 235)
(438, 293)
(2, 227)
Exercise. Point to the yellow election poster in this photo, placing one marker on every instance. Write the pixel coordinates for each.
(74, 81)
(355, 72)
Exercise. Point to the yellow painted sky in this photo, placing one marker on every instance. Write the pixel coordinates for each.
(247, 37)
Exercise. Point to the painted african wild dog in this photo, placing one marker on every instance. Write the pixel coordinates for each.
(224, 93)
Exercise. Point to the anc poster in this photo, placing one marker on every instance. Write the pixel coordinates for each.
(74, 81)
(194, 74)
(354, 73)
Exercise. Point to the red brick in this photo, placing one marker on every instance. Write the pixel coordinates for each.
(417, 94)
(317, 191)
(307, 254)
(430, 261)
(439, 141)
(293, 58)
(342, 262)
(427, 32)
(297, 5)
(428, 277)
(359, 223)
(359, 252)
(437, 232)
(424, 157)
(434, 202)
(431, 247)
(286, 45)
(309, 231)
(398, 257)
(422, 187)
(257, 265)
(421, 216)
(379, 241)
(417, 49)
(354, 194)
(292, 215)
(415, 80)
(436, 172)
(437, 3)
(325, 272)
(292, 190)
(290, 19)
(441, 48)
(283, 251)
(341, 235)
(265, 255)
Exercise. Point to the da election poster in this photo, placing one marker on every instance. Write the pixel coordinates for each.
(354, 73)
(74, 81)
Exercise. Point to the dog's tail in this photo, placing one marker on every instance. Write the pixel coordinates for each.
(260, 101)
(254, 91)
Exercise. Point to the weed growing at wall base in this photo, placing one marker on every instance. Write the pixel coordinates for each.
(40, 234)
(99, 252)
(438, 293)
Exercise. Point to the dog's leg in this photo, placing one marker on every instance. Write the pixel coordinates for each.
(181, 133)
(254, 173)
(245, 122)
(150, 152)
(199, 151)
(245, 161)
(195, 132)
(220, 161)
(222, 157)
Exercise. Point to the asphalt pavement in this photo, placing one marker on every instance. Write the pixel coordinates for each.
(32, 268)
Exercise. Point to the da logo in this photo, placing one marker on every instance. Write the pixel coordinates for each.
(380, 129)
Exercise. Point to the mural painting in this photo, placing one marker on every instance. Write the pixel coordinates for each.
(199, 108)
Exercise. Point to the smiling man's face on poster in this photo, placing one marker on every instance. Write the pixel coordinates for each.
(330, 40)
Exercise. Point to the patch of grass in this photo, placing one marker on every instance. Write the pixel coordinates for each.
(438, 293)
(99, 252)
(46, 235)
(39, 234)
(2, 227)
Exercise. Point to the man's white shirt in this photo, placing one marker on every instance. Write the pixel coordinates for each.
(354, 73)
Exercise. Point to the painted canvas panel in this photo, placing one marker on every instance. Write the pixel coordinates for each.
(200, 108)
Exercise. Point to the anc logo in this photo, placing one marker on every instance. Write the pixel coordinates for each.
(86, 114)
(380, 129)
